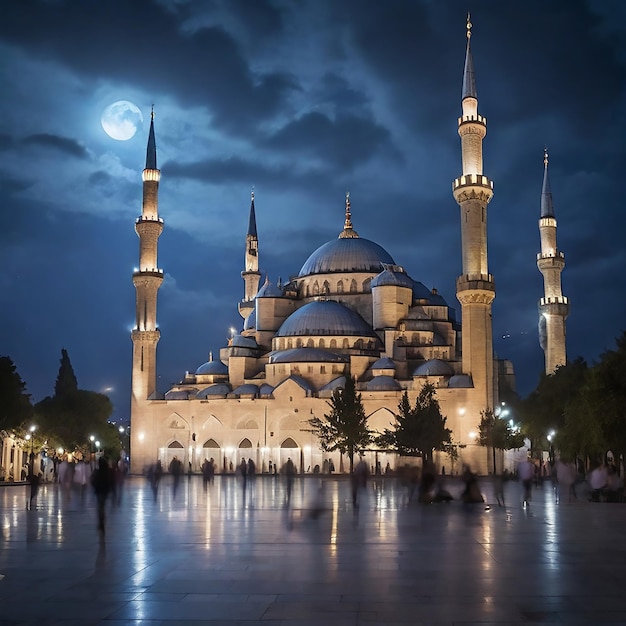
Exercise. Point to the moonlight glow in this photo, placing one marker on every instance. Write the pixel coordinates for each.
(121, 120)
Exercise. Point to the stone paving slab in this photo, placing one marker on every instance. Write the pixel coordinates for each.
(234, 557)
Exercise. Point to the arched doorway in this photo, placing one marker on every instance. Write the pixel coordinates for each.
(211, 450)
(289, 449)
(174, 449)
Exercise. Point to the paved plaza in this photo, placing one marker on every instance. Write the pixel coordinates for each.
(228, 557)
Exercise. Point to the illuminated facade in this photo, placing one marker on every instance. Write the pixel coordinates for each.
(350, 311)
(553, 307)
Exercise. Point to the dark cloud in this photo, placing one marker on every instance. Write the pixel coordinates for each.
(61, 144)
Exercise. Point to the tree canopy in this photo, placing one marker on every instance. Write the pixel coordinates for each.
(345, 427)
(15, 404)
(497, 434)
(419, 429)
(70, 416)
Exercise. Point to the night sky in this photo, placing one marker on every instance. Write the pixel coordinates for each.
(302, 101)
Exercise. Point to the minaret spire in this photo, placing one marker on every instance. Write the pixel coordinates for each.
(469, 81)
(554, 306)
(251, 275)
(348, 231)
(147, 280)
(475, 287)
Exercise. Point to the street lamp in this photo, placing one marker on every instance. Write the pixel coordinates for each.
(91, 449)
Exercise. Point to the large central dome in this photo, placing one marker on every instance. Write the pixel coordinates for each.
(349, 253)
(352, 254)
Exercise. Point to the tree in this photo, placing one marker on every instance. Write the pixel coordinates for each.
(66, 383)
(345, 427)
(420, 429)
(497, 434)
(543, 410)
(70, 416)
(15, 404)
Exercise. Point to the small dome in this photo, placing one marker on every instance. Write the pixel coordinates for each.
(266, 390)
(300, 355)
(179, 394)
(239, 341)
(268, 290)
(352, 254)
(247, 390)
(461, 381)
(384, 363)
(389, 277)
(336, 383)
(212, 367)
(433, 367)
(383, 383)
(220, 389)
(324, 317)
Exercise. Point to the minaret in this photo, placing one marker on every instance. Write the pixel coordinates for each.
(251, 275)
(348, 231)
(147, 279)
(553, 307)
(475, 288)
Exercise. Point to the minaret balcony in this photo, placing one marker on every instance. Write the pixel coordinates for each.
(149, 219)
(148, 273)
(550, 255)
(480, 282)
(472, 187)
(473, 119)
(554, 300)
(551, 262)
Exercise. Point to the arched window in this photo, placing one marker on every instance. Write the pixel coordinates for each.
(175, 444)
(298, 342)
(322, 343)
(289, 443)
(289, 344)
(316, 289)
(346, 343)
(340, 286)
(310, 344)
(333, 343)
(211, 443)
(245, 443)
(366, 285)
(353, 286)
(326, 287)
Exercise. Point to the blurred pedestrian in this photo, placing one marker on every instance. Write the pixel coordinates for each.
(289, 472)
(359, 481)
(176, 469)
(34, 480)
(102, 483)
(155, 472)
(471, 493)
(526, 473)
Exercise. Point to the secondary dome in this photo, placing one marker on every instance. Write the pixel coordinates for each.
(347, 254)
(324, 317)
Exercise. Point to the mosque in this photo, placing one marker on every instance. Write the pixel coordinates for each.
(351, 310)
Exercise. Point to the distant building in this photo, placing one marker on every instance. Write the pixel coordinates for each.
(351, 310)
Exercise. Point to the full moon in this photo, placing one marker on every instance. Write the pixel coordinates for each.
(121, 120)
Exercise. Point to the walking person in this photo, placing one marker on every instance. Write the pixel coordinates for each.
(176, 469)
(34, 480)
(290, 472)
(526, 473)
(102, 483)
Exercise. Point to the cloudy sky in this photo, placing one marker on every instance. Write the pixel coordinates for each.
(301, 100)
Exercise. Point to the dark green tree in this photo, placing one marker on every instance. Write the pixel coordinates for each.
(66, 383)
(345, 427)
(497, 434)
(70, 416)
(15, 405)
(420, 429)
(543, 410)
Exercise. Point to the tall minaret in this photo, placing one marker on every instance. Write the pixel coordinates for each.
(475, 288)
(147, 279)
(251, 275)
(553, 307)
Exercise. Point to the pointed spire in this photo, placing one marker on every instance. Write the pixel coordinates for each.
(348, 231)
(252, 223)
(547, 209)
(210, 356)
(151, 162)
(469, 82)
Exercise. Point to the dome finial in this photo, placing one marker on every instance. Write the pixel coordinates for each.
(152, 113)
(545, 156)
(348, 231)
(252, 194)
(211, 356)
(469, 26)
